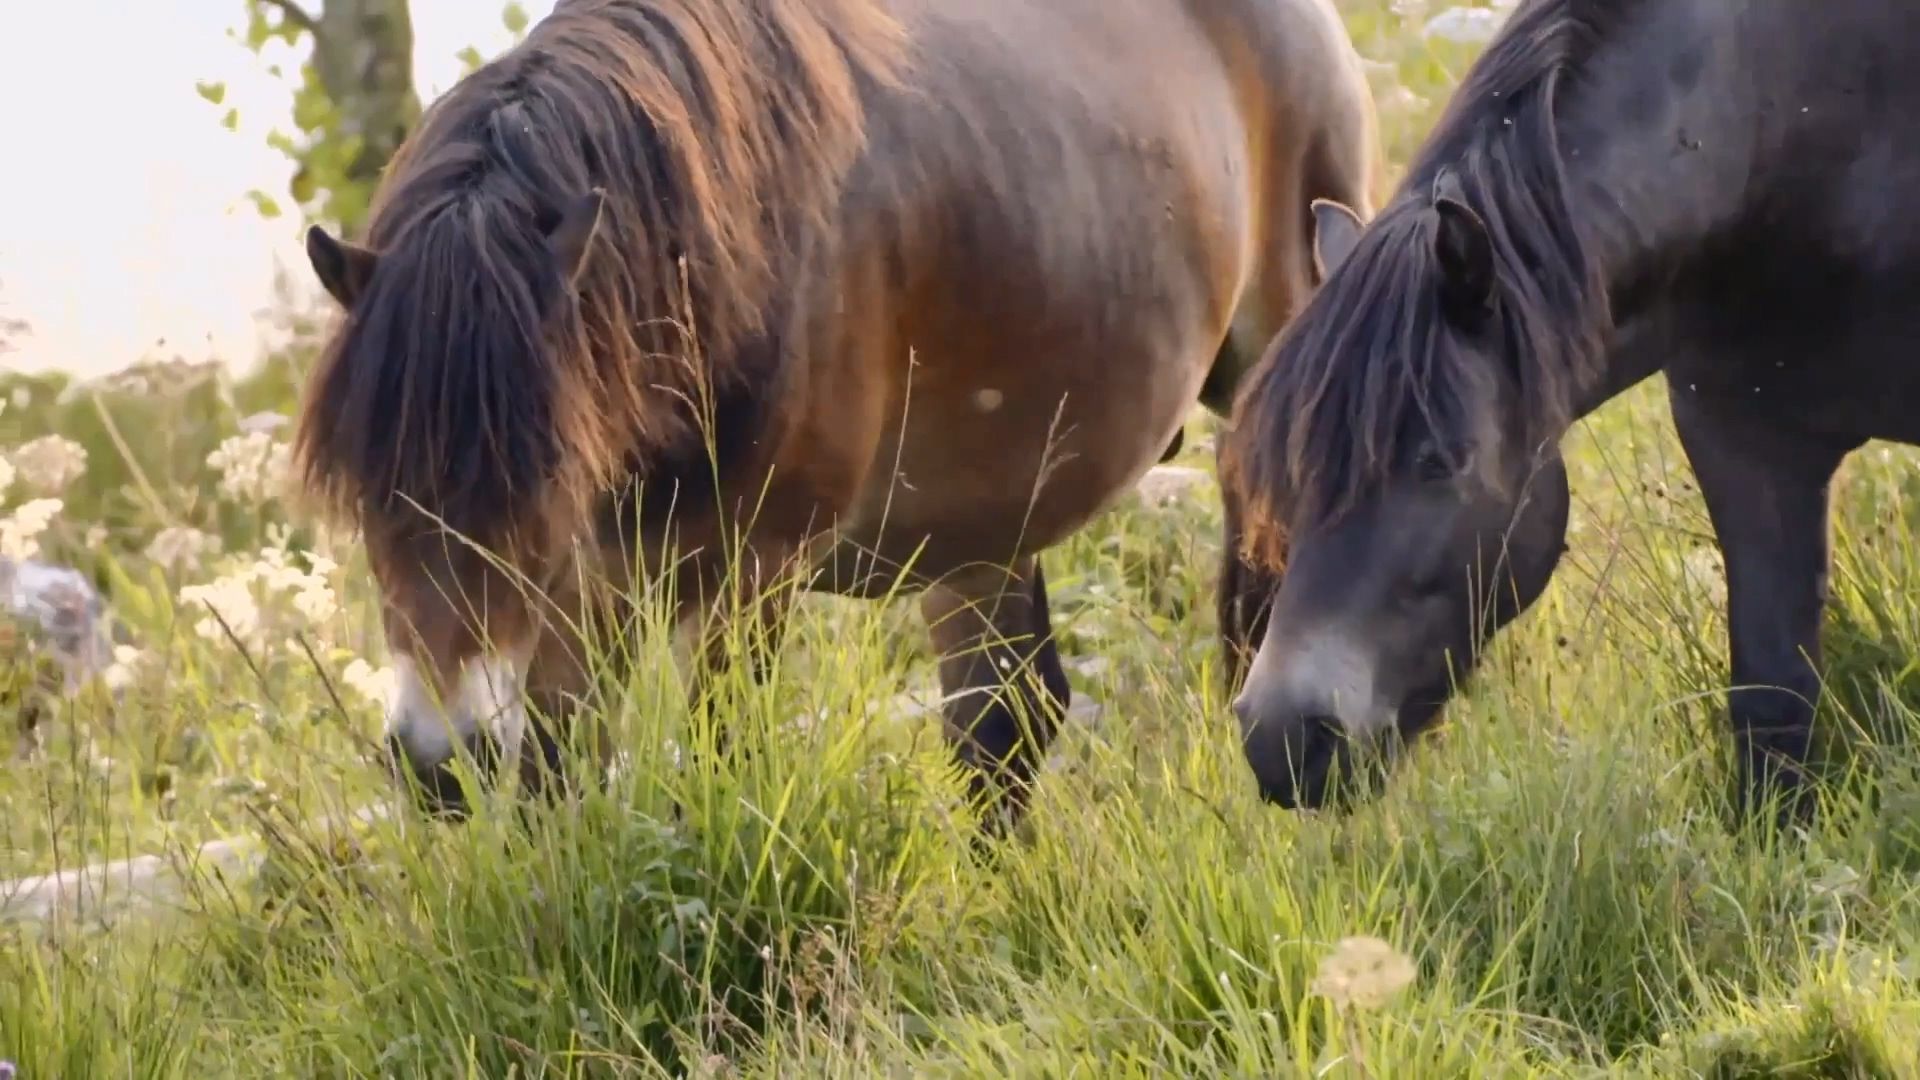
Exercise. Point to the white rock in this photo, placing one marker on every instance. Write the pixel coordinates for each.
(1165, 485)
(1466, 25)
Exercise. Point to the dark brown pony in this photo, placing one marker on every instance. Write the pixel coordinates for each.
(1721, 192)
(891, 293)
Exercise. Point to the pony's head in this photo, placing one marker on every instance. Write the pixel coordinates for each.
(1396, 460)
(1395, 457)
(449, 422)
(574, 256)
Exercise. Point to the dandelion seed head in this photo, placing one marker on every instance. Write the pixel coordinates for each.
(1364, 973)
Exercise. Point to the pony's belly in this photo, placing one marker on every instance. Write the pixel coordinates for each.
(975, 476)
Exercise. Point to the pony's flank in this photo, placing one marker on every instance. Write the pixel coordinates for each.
(479, 381)
(1370, 365)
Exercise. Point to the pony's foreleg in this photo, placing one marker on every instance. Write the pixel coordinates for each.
(573, 650)
(739, 616)
(1006, 691)
(1767, 492)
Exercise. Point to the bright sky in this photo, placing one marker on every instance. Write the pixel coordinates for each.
(123, 212)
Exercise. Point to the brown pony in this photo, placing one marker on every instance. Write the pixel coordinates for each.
(892, 292)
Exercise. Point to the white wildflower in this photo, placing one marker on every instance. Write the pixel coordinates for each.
(49, 464)
(377, 684)
(20, 531)
(252, 467)
(179, 548)
(125, 669)
(1464, 25)
(1363, 973)
(229, 600)
(263, 423)
(269, 598)
(311, 593)
(1166, 485)
(314, 600)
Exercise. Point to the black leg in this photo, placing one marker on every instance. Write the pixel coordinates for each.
(1000, 670)
(1767, 492)
(1173, 449)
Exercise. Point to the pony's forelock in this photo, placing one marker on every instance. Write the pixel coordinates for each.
(470, 381)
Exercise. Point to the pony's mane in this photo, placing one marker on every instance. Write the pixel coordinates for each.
(1367, 366)
(469, 380)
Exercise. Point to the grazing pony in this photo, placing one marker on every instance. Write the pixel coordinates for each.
(1726, 191)
(882, 292)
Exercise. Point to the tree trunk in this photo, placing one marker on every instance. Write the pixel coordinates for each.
(363, 56)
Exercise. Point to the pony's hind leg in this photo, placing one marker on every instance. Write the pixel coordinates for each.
(1006, 691)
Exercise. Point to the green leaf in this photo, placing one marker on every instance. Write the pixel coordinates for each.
(264, 204)
(258, 28)
(231, 121)
(470, 59)
(514, 17)
(215, 92)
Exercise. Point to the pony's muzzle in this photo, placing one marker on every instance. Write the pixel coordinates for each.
(436, 782)
(1295, 754)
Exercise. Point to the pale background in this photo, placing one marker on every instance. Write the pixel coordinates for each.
(123, 213)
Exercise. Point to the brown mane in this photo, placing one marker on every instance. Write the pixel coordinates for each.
(1368, 367)
(468, 379)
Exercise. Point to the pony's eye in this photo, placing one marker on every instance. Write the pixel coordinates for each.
(1432, 465)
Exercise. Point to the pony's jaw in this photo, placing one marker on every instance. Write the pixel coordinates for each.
(485, 717)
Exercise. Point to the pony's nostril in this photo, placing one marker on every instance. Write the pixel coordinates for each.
(396, 750)
(1242, 710)
(1318, 726)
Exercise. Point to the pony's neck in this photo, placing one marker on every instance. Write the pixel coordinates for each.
(1652, 157)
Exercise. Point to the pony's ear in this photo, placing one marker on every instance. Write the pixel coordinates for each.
(572, 235)
(1463, 247)
(1336, 231)
(343, 268)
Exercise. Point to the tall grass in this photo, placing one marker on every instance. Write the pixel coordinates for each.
(1555, 864)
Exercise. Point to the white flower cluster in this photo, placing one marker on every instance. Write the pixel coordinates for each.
(125, 668)
(48, 464)
(376, 684)
(253, 467)
(20, 531)
(258, 600)
(179, 548)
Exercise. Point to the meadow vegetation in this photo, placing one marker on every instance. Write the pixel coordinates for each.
(1548, 889)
